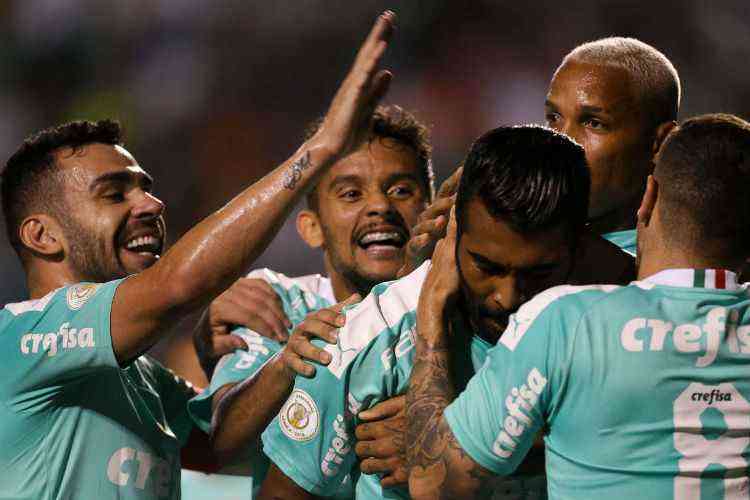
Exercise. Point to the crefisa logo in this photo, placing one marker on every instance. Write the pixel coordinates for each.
(299, 418)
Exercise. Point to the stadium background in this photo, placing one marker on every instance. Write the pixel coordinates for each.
(213, 94)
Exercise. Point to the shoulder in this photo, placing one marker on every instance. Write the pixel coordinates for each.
(312, 284)
(386, 314)
(564, 305)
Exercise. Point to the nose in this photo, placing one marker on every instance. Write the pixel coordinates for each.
(509, 293)
(147, 206)
(378, 203)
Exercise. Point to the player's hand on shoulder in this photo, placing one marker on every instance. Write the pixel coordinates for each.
(322, 324)
(347, 121)
(431, 225)
(249, 302)
(381, 443)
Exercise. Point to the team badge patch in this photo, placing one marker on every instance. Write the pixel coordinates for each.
(299, 417)
(79, 294)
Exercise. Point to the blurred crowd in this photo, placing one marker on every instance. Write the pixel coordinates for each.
(215, 94)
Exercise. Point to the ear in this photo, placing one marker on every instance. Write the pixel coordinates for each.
(662, 131)
(309, 229)
(42, 234)
(648, 202)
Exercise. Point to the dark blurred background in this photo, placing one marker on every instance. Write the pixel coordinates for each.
(213, 94)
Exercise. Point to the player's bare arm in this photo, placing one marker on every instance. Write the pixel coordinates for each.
(242, 411)
(431, 226)
(211, 256)
(438, 467)
(277, 486)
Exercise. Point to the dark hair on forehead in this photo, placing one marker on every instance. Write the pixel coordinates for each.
(30, 182)
(393, 122)
(703, 172)
(529, 176)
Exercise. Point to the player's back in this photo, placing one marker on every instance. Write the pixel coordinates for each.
(654, 400)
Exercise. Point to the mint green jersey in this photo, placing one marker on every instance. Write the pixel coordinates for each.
(644, 390)
(73, 424)
(312, 439)
(626, 240)
(299, 296)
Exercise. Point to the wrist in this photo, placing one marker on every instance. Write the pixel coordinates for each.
(323, 149)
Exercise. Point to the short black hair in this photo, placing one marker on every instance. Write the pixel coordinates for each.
(392, 122)
(30, 181)
(529, 176)
(703, 172)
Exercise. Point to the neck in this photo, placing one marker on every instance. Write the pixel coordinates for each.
(40, 280)
(651, 264)
(342, 287)
(620, 219)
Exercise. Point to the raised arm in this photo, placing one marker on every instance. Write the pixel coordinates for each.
(433, 451)
(212, 255)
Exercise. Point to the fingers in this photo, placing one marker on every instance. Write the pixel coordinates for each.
(226, 344)
(380, 465)
(452, 228)
(379, 36)
(450, 186)
(398, 478)
(384, 409)
(377, 448)
(295, 363)
(441, 206)
(435, 228)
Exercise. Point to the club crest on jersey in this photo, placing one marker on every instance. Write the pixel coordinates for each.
(79, 294)
(299, 418)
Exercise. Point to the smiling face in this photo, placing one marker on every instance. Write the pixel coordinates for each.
(598, 107)
(502, 268)
(366, 205)
(114, 226)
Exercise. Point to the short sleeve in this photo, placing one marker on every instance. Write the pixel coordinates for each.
(310, 440)
(174, 393)
(496, 419)
(233, 368)
(67, 340)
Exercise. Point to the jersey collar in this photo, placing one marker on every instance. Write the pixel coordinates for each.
(720, 279)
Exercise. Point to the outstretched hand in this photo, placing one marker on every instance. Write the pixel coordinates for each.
(347, 122)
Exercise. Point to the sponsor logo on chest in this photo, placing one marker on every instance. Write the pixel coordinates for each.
(64, 339)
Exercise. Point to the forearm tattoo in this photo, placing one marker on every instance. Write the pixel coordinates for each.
(294, 174)
(433, 451)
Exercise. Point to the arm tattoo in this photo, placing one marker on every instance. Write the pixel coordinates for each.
(294, 174)
(434, 456)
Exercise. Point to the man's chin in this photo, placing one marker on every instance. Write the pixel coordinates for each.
(493, 328)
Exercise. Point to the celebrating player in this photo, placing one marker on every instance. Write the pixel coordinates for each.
(618, 98)
(537, 182)
(80, 214)
(360, 213)
(643, 389)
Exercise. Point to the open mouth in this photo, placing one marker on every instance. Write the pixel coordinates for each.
(383, 243)
(146, 245)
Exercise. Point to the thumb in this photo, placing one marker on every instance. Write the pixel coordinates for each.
(353, 299)
(385, 409)
(451, 230)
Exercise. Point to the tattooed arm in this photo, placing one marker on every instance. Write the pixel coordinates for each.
(438, 467)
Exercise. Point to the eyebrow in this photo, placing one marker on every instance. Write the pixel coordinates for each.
(400, 176)
(484, 260)
(122, 177)
(345, 179)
